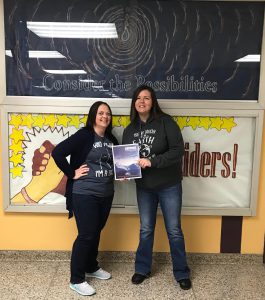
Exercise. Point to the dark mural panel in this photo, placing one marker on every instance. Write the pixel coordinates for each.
(183, 49)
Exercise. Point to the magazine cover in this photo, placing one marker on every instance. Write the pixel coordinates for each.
(125, 158)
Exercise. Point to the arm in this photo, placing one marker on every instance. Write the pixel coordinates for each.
(66, 148)
(175, 146)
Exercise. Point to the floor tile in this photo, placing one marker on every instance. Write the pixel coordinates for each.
(33, 275)
(228, 282)
(26, 280)
(161, 285)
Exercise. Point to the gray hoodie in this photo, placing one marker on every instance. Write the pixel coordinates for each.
(161, 141)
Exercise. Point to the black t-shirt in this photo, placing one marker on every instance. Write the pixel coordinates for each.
(99, 180)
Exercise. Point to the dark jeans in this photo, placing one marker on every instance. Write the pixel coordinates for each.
(91, 214)
(170, 200)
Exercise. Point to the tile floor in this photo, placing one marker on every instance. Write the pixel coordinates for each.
(45, 276)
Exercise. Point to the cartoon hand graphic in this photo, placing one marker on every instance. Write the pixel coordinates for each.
(46, 177)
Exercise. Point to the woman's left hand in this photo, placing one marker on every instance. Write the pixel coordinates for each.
(144, 162)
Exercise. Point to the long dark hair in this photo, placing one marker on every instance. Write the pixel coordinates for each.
(155, 112)
(91, 118)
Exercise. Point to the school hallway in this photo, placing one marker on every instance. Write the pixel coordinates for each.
(44, 275)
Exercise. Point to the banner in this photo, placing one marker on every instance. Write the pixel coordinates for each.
(105, 49)
(217, 164)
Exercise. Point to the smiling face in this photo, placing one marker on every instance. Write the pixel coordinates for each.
(143, 104)
(103, 118)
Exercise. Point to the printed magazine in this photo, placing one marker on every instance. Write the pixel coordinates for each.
(125, 158)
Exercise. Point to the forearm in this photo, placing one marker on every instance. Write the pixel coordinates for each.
(166, 159)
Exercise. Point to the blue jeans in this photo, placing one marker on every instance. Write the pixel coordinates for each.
(170, 200)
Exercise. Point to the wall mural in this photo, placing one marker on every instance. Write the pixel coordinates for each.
(104, 49)
(218, 159)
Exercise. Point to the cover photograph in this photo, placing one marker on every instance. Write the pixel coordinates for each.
(125, 158)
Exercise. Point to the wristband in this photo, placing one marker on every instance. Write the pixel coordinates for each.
(26, 196)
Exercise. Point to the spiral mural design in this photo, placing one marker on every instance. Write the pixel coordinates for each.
(183, 49)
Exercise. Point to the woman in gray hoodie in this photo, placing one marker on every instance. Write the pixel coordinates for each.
(161, 150)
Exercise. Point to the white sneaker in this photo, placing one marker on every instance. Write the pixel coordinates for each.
(83, 288)
(100, 274)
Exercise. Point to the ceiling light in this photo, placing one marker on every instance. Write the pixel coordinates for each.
(73, 30)
(40, 54)
(249, 58)
(65, 71)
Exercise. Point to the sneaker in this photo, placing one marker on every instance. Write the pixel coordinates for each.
(83, 288)
(100, 274)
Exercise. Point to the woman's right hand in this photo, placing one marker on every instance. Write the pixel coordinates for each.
(123, 180)
(81, 171)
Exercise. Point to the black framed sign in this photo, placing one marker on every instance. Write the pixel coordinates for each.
(104, 49)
